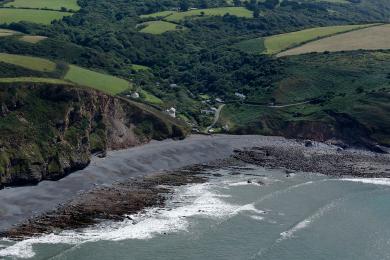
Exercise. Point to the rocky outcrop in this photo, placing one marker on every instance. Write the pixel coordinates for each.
(49, 131)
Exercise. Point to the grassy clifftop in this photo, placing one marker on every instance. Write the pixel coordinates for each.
(50, 130)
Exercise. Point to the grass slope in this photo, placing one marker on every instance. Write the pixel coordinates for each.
(28, 62)
(45, 4)
(158, 14)
(96, 80)
(158, 27)
(172, 16)
(8, 15)
(277, 43)
(35, 80)
(252, 46)
(280, 42)
(372, 38)
(352, 92)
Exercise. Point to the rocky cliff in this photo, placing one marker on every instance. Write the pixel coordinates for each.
(48, 131)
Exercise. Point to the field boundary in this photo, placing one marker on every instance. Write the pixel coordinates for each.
(327, 36)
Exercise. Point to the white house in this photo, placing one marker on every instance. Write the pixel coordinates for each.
(171, 112)
(135, 95)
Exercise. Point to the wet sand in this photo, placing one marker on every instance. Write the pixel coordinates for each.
(22, 203)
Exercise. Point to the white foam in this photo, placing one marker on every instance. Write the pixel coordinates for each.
(195, 200)
(255, 217)
(376, 181)
(244, 183)
(306, 222)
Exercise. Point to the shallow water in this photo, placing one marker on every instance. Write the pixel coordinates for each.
(304, 216)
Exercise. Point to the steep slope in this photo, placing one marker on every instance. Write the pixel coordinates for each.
(50, 130)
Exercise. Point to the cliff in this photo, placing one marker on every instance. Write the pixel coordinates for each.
(49, 131)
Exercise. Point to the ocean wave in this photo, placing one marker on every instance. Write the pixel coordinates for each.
(195, 200)
(307, 221)
(376, 181)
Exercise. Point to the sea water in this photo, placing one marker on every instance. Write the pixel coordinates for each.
(257, 214)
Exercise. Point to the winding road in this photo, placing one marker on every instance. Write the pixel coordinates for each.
(216, 117)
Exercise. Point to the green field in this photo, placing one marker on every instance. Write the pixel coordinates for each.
(149, 98)
(96, 80)
(280, 42)
(28, 62)
(158, 27)
(34, 80)
(158, 14)
(253, 46)
(237, 11)
(8, 15)
(45, 4)
(172, 16)
(137, 67)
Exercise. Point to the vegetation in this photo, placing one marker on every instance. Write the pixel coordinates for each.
(32, 38)
(372, 38)
(28, 62)
(200, 60)
(99, 81)
(346, 92)
(49, 129)
(280, 42)
(236, 11)
(158, 27)
(34, 80)
(58, 5)
(8, 15)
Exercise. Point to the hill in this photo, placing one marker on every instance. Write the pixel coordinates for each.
(341, 96)
(280, 42)
(373, 38)
(50, 130)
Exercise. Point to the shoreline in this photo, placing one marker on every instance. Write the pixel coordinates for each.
(131, 191)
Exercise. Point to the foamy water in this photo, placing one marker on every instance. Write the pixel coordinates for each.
(231, 218)
(196, 200)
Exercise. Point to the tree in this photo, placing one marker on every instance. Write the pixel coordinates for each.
(203, 4)
(184, 5)
(256, 12)
(237, 2)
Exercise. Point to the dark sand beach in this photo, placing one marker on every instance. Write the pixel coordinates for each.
(130, 180)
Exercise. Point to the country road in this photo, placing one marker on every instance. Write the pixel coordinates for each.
(216, 117)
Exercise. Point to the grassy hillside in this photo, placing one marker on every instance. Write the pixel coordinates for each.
(158, 27)
(48, 131)
(347, 95)
(28, 62)
(8, 15)
(34, 80)
(277, 43)
(71, 73)
(373, 38)
(45, 4)
(173, 16)
(99, 81)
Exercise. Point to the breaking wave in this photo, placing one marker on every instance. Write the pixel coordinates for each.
(193, 200)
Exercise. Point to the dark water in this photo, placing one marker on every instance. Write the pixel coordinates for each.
(304, 216)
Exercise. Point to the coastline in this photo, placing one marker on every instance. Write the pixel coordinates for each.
(124, 174)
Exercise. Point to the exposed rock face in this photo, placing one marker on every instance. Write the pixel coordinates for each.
(48, 131)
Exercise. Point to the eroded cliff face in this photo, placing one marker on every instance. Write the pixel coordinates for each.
(48, 131)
